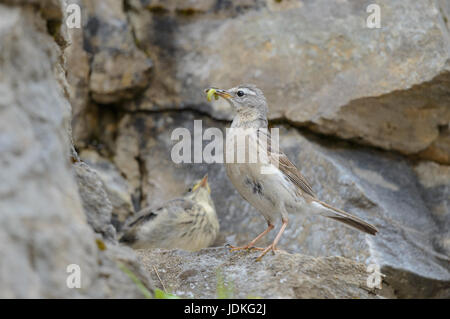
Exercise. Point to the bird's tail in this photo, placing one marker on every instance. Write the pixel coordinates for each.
(343, 217)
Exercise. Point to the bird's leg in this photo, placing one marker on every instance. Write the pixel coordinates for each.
(275, 241)
(251, 244)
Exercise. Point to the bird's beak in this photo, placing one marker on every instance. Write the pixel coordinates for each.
(204, 181)
(220, 92)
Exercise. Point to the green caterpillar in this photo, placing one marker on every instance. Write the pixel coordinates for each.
(210, 94)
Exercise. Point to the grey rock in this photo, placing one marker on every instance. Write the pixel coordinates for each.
(96, 203)
(119, 70)
(439, 150)
(387, 89)
(434, 181)
(84, 113)
(381, 188)
(115, 185)
(215, 272)
(317, 62)
(127, 159)
(43, 226)
(114, 281)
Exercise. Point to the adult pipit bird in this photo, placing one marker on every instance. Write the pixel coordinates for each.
(188, 223)
(272, 184)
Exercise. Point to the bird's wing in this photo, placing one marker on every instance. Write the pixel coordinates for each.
(143, 216)
(149, 213)
(278, 158)
(129, 231)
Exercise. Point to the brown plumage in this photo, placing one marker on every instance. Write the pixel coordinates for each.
(305, 190)
(189, 222)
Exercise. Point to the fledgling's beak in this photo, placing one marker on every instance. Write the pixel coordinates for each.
(204, 181)
(220, 92)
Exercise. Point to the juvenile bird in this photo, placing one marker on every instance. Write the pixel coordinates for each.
(272, 184)
(188, 223)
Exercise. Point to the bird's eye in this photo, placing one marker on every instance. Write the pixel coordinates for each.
(190, 190)
(240, 93)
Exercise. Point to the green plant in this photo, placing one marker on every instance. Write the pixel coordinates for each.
(147, 294)
(160, 294)
(224, 289)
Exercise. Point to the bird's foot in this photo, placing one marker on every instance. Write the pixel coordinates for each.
(266, 250)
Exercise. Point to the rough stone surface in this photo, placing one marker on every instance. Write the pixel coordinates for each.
(127, 159)
(322, 70)
(43, 227)
(439, 150)
(38, 195)
(113, 281)
(95, 200)
(119, 69)
(215, 272)
(381, 188)
(84, 113)
(317, 62)
(434, 181)
(116, 186)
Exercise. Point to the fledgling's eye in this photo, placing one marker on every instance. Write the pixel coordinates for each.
(190, 190)
(240, 93)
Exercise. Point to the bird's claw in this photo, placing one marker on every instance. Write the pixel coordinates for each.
(265, 251)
